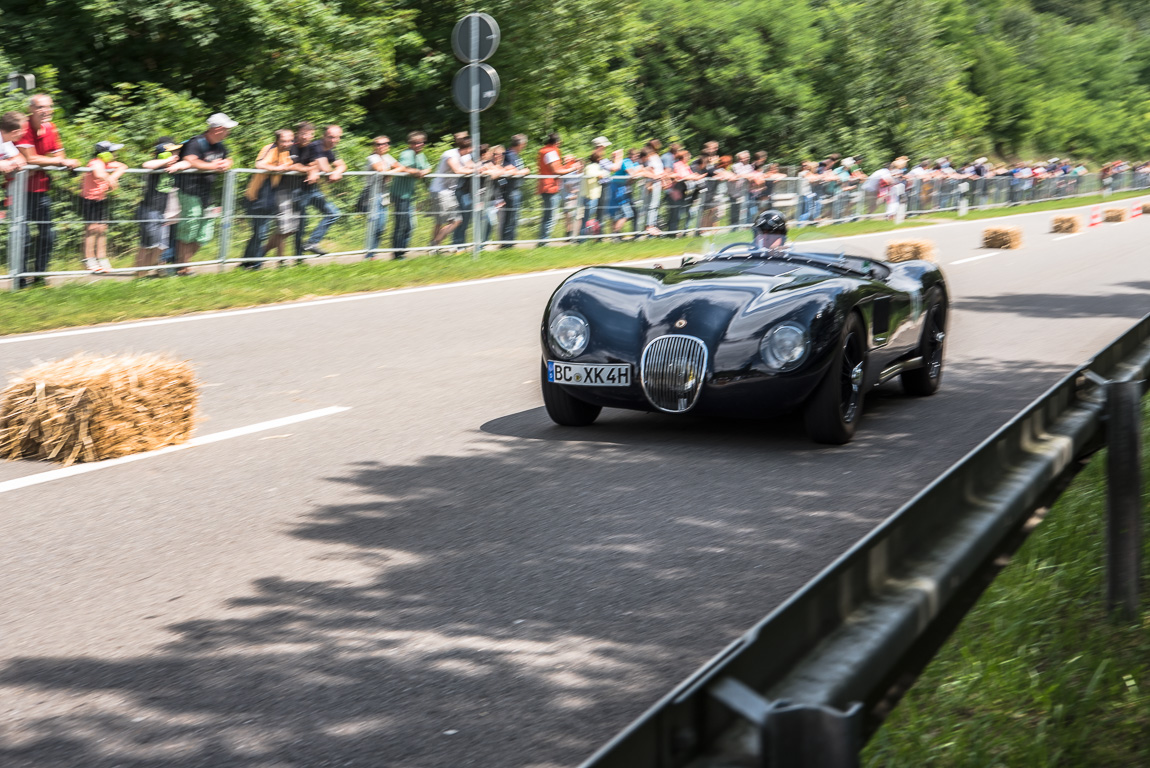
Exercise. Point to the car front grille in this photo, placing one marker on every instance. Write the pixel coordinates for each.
(672, 371)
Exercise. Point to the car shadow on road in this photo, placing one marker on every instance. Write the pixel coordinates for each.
(1062, 306)
(524, 601)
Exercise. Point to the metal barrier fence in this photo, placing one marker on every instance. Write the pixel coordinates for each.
(46, 233)
(809, 683)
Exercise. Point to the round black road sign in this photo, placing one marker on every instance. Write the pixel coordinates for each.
(475, 38)
(488, 81)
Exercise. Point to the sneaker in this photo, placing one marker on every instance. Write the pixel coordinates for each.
(316, 249)
(93, 265)
(398, 257)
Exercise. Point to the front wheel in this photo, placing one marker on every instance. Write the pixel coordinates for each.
(833, 410)
(926, 379)
(564, 409)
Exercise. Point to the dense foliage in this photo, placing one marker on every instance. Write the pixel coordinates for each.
(799, 78)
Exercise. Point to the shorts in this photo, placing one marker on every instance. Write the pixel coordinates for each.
(446, 207)
(194, 227)
(618, 207)
(153, 233)
(287, 214)
(94, 211)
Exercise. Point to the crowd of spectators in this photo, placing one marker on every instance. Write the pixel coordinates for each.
(638, 191)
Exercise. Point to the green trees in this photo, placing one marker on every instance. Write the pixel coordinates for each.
(799, 78)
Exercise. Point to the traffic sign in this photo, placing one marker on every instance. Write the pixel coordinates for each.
(475, 38)
(483, 96)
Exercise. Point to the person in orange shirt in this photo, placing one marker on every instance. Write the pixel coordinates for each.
(103, 176)
(550, 164)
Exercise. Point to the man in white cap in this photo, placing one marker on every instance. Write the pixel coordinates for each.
(205, 152)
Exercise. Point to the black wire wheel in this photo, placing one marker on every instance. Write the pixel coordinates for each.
(926, 379)
(565, 410)
(833, 410)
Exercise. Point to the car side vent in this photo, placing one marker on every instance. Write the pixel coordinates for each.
(881, 320)
(672, 370)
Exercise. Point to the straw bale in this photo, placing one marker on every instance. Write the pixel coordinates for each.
(1067, 223)
(1145, 207)
(909, 250)
(1116, 214)
(90, 408)
(1002, 237)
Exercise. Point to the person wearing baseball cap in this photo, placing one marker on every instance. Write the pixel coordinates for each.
(220, 120)
(208, 154)
(600, 141)
(104, 172)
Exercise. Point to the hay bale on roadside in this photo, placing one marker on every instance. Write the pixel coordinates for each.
(1115, 215)
(1067, 224)
(89, 408)
(1002, 237)
(1145, 207)
(909, 250)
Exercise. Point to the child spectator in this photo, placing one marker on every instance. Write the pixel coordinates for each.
(158, 205)
(103, 176)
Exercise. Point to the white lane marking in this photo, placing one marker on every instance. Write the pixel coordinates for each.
(1076, 234)
(974, 258)
(80, 469)
(442, 286)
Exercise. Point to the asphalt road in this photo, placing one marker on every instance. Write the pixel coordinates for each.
(438, 576)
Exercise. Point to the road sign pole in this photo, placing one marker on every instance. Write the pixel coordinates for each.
(476, 203)
(474, 40)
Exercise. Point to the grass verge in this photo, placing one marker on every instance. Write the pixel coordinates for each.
(1037, 675)
(105, 301)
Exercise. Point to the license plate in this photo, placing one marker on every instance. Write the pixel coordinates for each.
(584, 375)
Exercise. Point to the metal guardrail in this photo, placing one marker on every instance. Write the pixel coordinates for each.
(806, 686)
(516, 215)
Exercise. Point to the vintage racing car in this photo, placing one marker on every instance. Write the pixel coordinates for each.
(753, 330)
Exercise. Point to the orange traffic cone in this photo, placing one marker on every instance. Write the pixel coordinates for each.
(1095, 215)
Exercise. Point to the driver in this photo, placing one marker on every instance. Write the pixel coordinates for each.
(770, 230)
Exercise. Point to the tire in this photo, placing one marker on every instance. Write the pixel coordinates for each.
(565, 410)
(924, 381)
(834, 408)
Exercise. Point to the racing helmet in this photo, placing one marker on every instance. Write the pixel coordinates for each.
(770, 229)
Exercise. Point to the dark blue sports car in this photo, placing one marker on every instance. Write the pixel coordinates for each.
(750, 331)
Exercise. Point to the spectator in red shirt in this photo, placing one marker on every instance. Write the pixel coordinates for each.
(550, 164)
(41, 147)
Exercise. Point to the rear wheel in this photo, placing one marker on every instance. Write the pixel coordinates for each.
(925, 380)
(564, 409)
(833, 410)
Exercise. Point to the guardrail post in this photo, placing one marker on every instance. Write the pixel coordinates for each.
(227, 215)
(17, 229)
(373, 184)
(795, 735)
(1124, 496)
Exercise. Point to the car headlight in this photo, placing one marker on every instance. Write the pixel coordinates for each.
(784, 346)
(569, 334)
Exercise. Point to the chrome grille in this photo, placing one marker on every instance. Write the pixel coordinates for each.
(672, 371)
